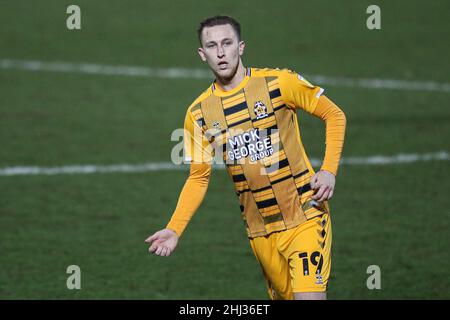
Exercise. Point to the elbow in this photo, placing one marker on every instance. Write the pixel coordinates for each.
(343, 118)
(339, 115)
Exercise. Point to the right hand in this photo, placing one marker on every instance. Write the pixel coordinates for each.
(163, 242)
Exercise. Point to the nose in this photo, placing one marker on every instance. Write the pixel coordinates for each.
(220, 52)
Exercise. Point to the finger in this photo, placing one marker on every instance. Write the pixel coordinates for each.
(151, 238)
(164, 251)
(169, 252)
(316, 194)
(331, 193)
(153, 248)
(155, 245)
(325, 195)
(319, 193)
(158, 251)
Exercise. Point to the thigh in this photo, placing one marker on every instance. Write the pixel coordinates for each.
(308, 250)
(274, 266)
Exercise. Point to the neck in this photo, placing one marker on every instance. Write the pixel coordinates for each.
(230, 84)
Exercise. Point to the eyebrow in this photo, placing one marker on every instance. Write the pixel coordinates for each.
(213, 42)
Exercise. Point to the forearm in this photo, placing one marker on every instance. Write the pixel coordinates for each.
(335, 122)
(191, 197)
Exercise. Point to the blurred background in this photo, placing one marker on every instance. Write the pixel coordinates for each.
(69, 97)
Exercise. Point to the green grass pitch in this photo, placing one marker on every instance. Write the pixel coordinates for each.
(395, 216)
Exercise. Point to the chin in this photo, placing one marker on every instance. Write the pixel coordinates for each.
(227, 74)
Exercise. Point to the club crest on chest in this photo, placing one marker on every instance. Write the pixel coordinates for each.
(260, 110)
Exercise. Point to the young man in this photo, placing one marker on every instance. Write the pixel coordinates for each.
(248, 116)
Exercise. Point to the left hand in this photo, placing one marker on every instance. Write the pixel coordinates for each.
(323, 182)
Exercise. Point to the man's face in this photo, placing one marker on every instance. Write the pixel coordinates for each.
(221, 49)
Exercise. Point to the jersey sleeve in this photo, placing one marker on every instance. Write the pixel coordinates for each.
(336, 122)
(197, 148)
(297, 92)
(191, 197)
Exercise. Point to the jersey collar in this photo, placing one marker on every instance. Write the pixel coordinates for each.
(218, 91)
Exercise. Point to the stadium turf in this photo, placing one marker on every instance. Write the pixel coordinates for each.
(394, 216)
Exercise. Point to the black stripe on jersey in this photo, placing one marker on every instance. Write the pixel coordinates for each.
(262, 189)
(272, 128)
(304, 188)
(243, 191)
(274, 93)
(276, 166)
(239, 107)
(214, 133)
(282, 179)
(301, 174)
(273, 218)
(238, 123)
(201, 122)
(266, 203)
(279, 107)
(239, 177)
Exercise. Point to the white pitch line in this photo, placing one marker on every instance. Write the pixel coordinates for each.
(186, 73)
(396, 159)
(162, 166)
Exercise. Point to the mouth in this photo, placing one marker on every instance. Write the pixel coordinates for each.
(223, 65)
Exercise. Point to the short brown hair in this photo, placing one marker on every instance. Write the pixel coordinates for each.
(218, 21)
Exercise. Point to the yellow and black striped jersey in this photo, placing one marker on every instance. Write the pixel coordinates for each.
(253, 129)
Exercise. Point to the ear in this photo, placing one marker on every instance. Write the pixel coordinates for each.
(202, 55)
(241, 47)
